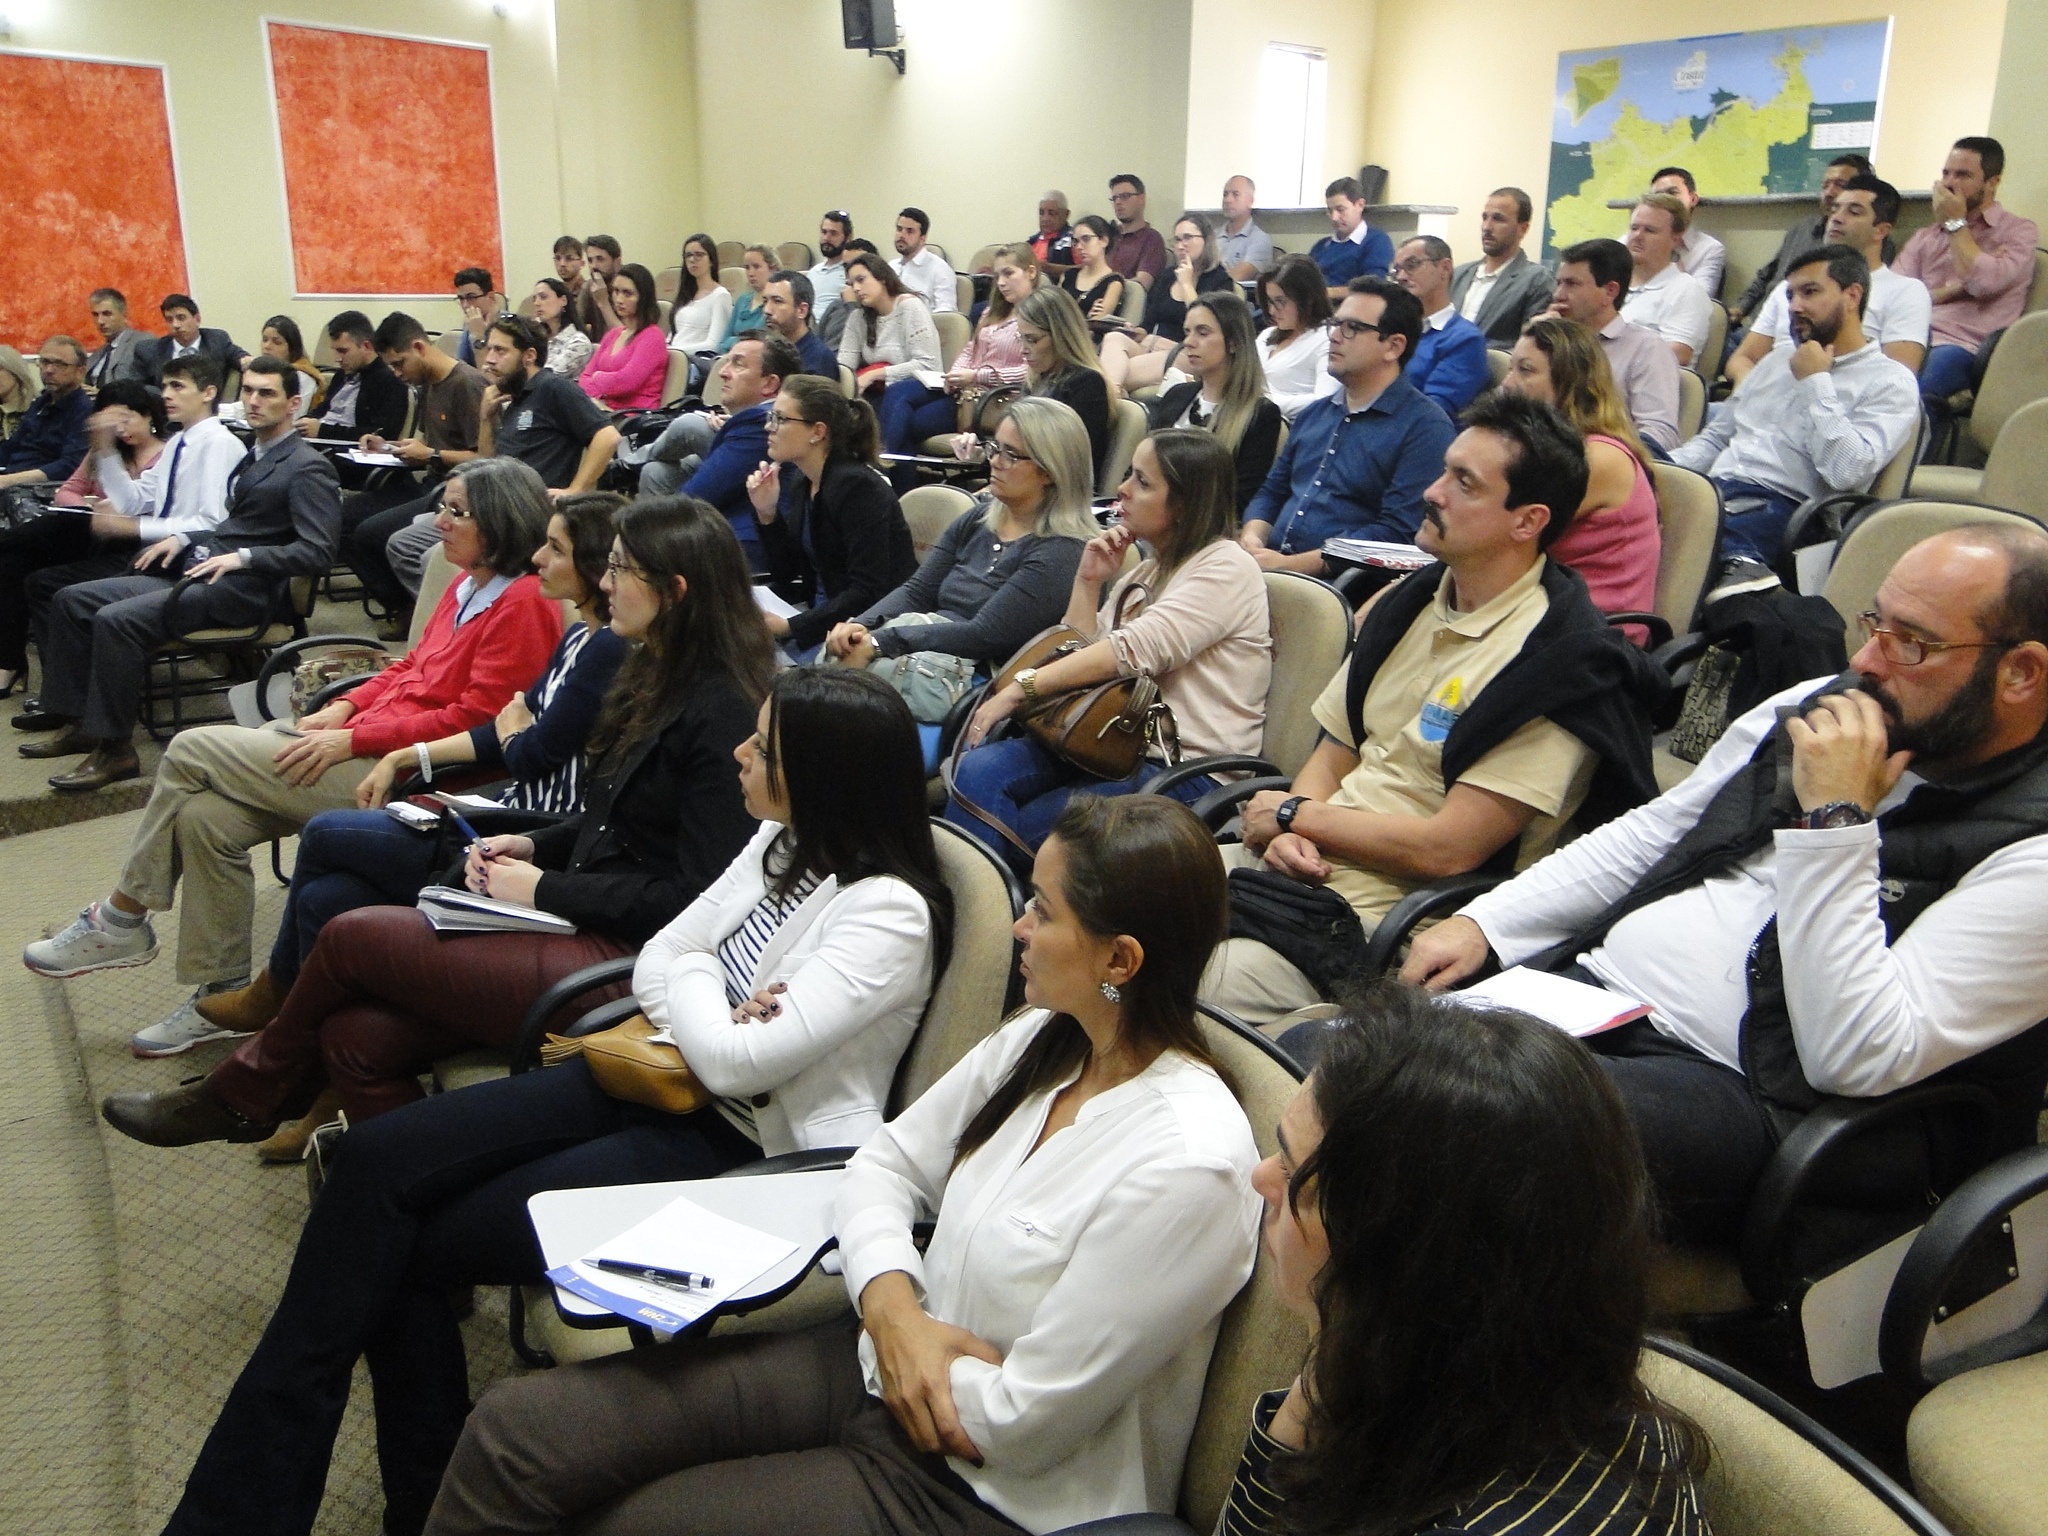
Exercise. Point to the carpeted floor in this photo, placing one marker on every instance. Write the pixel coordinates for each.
(139, 1279)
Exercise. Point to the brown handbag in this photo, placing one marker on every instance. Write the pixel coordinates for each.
(630, 1064)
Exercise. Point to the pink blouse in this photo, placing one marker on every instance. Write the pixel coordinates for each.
(627, 375)
(1616, 551)
(85, 480)
(996, 354)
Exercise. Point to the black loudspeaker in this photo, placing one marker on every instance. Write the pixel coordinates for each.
(869, 23)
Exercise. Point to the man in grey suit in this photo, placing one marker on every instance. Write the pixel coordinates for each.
(1504, 290)
(123, 352)
(187, 336)
(284, 520)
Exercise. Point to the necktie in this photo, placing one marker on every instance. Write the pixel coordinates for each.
(171, 480)
(235, 476)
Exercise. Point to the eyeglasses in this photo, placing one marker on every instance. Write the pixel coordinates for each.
(457, 514)
(1000, 452)
(1353, 328)
(1122, 197)
(57, 362)
(614, 566)
(1904, 650)
(777, 421)
(1413, 264)
(470, 298)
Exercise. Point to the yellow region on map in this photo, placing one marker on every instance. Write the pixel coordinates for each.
(1593, 84)
(1729, 158)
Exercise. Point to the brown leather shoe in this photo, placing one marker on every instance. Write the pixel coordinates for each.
(246, 1009)
(289, 1144)
(180, 1117)
(69, 742)
(107, 765)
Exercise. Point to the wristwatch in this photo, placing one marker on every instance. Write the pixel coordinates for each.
(1028, 681)
(1950, 226)
(1284, 816)
(1836, 813)
(434, 460)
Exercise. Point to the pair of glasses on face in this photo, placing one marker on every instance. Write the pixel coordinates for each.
(1000, 452)
(777, 421)
(1353, 328)
(1904, 650)
(615, 568)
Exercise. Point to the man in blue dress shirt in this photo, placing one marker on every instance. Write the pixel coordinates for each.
(1449, 363)
(1354, 249)
(1356, 463)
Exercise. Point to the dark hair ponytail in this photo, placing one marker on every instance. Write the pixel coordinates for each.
(851, 424)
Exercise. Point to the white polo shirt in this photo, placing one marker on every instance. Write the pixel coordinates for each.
(1674, 305)
(1900, 309)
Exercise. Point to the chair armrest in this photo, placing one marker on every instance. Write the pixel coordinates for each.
(1219, 805)
(1937, 1256)
(807, 1160)
(1809, 1152)
(287, 656)
(1677, 652)
(231, 636)
(1418, 906)
(1195, 767)
(526, 1046)
(1656, 624)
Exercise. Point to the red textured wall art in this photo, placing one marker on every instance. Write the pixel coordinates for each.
(88, 204)
(390, 161)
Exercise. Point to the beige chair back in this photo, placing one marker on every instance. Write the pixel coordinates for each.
(1496, 366)
(1133, 308)
(2037, 290)
(1876, 541)
(667, 309)
(2016, 375)
(448, 341)
(2013, 475)
(732, 253)
(1890, 483)
(1127, 428)
(323, 353)
(847, 386)
(733, 280)
(954, 332)
(1692, 404)
(1689, 518)
(668, 282)
(1311, 637)
(1261, 1345)
(794, 255)
(963, 292)
(931, 510)
(1707, 361)
(1771, 1472)
(984, 259)
(524, 308)
(675, 383)
(436, 576)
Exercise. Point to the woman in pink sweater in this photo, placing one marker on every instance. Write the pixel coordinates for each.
(625, 373)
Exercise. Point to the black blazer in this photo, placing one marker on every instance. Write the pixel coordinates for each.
(850, 540)
(1255, 450)
(214, 344)
(656, 830)
(380, 403)
(1167, 316)
(1087, 393)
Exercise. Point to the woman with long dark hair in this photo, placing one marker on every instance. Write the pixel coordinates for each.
(891, 335)
(1294, 348)
(1216, 382)
(1135, 357)
(283, 341)
(1040, 1364)
(626, 371)
(830, 526)
(1461, 1212)
(791, 986)
(1092, 283)
(702, 303)
(554, 317)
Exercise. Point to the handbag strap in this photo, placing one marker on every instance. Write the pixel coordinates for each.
(950, 774)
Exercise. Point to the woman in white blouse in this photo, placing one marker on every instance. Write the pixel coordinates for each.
(1295, 348)
(703, 303)
(1040, 1364)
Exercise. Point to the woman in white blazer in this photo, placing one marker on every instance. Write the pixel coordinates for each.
(1041, 1362)
(791, 986)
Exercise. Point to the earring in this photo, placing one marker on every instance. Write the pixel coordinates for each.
(1110, 992)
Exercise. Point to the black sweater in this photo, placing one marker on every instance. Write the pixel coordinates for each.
(849, 539)
(1256, 450)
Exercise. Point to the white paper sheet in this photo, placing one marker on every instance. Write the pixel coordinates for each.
(682, 1235)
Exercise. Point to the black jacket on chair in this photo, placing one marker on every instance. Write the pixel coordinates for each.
(848, 546)
(1255, 451)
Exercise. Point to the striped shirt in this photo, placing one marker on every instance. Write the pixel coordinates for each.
(561, 790)
(739, 959)
(1634, 1487)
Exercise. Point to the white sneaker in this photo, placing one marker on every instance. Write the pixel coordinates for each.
(90, 944)
(182, 1030)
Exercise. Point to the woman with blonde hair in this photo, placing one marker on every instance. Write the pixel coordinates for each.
(1613, 541)
(997, 576)
(1059, 364)
(18, 386)
(1218, 383)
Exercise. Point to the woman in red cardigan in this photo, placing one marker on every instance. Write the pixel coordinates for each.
(223, 789)
(628, 368)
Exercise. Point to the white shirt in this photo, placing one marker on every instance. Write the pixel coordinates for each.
(1674, 305)
(1298, 372)
(1099, 1265)
(1477, 290)
(700, 324)
(1868, 1018)
(205, 455)
(1900, 309)
(1834, 430)
(827, 278)
(929, 277)
(1440, 319)
(1704, 259)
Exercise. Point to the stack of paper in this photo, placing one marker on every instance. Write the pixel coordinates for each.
(681, 1237)
(448, 910)
(1396, 557)
(1572, 1006)
(766, 600)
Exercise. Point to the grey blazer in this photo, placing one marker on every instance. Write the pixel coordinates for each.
(285, 509)
(1521, 293)
(125, 357)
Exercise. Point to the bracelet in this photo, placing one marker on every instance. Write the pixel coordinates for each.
(426, 760)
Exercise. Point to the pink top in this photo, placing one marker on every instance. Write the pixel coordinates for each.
(85, 481)
(1998, 281)
(1206, 639)
(996, 355)
(1616, 552)
(627, 375)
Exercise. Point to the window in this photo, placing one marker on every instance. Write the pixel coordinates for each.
(1294, 86)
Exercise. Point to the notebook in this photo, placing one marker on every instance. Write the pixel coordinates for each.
(1573, 1006)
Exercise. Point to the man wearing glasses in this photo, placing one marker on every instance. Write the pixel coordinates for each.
(1449, 364)
(1357, 462)
(1138, 251)
(1849, 901)
(481, 304)
(50, 441)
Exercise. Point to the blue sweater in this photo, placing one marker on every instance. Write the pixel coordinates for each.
(546, 759)
(1449, 365)
(51, 437)
(1342, 260)
(721, 476)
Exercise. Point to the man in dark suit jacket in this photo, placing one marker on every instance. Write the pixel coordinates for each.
(366, 399)
(181, 314)
(1513, 289)
(284, 520)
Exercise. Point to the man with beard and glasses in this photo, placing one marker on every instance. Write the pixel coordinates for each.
(1822, 416)
(1486, 704)
(1846, 897)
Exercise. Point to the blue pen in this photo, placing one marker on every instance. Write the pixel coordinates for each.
(467, 830)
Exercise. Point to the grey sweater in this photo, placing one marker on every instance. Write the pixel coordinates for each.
(997, 595)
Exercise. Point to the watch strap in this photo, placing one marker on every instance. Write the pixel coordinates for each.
(1836, 813)
(1287, 810)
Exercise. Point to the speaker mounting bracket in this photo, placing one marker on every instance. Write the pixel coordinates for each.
(893, 55)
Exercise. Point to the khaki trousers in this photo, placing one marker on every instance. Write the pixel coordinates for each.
(218, 794)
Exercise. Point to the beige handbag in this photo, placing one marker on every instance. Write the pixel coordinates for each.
(630, 1064)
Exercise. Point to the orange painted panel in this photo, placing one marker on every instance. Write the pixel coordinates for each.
(91, 195)
(390, 165)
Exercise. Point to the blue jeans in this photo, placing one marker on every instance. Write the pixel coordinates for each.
(1946, 370)
(421, 1200)
(348, 859)
(909, 414)
(1758, 529)
(1026, 787)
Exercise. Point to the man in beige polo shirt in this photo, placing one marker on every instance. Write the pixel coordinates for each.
(1371, 815)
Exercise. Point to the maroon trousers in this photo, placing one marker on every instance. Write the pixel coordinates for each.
(383, 996)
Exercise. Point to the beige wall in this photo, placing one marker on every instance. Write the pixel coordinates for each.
(2017, 120)
(1460, 93)
(1228, 39)
(1003, 99)
(229, 174)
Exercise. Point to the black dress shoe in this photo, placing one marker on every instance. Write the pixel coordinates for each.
(36, 718)
(69, 742)
(181, 1117)
(107, 765)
